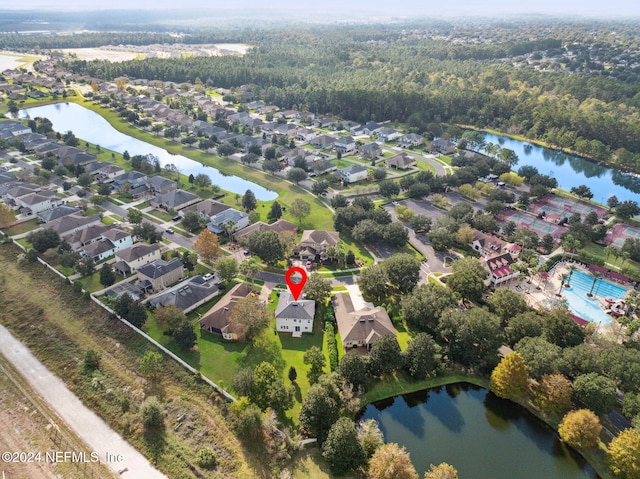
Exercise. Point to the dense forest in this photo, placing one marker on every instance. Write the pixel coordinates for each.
(387, 74)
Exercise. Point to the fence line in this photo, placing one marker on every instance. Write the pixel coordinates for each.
(165, 350)
(141, 333)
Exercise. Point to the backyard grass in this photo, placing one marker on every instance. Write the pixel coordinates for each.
(22, 228)
(59, 327)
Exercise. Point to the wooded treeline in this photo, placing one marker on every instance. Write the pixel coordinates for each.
(422, 82)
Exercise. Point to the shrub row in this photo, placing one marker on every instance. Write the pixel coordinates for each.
(330, 333)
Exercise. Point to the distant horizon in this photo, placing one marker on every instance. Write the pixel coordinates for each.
(614, 9)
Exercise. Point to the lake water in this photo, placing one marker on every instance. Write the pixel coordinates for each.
(90, 126)
(481, 435)
(571, 170)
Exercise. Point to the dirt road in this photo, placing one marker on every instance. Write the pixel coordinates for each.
(99, 437)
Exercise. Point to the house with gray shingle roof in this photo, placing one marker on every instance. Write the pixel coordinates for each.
(187, 295)
(130, 259)
(59, 212)
(71, 223)
(353, 173)
(370, 150)
(228, 220)
(345, 144)
(295, 317)
(159, 274)
(207, 208)
(362, 328)
(176, 199)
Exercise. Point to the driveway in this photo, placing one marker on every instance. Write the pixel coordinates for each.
(89, 427)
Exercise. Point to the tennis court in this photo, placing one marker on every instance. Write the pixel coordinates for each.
(530, 222)
(620, 232)
(565, 207)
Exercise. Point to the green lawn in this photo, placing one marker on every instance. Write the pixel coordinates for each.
(220, 360)
(92, 283)
(600, 252)
(160, 214)
(424, 165)
(445, 159)
(22, 228)
(403, 384)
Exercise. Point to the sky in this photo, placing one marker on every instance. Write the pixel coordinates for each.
(395, 8)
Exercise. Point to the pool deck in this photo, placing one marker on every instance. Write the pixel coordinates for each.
(541, 294)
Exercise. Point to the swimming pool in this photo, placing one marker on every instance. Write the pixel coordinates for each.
(590, 308)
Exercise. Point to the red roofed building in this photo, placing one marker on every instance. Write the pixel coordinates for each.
(499, 267)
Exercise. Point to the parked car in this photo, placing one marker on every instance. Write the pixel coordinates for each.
(246, 252)
(207, 276)
(176, 218)
(170, 231)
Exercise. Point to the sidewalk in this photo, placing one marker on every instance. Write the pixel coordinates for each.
(89, 427)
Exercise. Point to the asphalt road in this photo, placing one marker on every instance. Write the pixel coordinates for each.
(89, 427)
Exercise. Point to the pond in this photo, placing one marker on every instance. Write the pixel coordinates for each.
(572, 170)
(479, 434)
(90, 126)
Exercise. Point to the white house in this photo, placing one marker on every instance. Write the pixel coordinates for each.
(353, 173)
(294, 317)
(228, 220)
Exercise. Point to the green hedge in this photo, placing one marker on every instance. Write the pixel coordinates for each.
(330, 334)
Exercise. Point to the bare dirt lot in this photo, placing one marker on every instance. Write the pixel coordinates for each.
(98, 54)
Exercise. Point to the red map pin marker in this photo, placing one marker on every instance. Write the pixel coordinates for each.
(295, 288)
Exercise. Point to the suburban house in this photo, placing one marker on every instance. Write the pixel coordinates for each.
(134, 181)
(314, 243)
(440, 145)
(217, 319)
(57, 212)
(370, 127)
(37, 201)
(207, 208)
(370, 150)
(401, 161)
(161, 185)
(388, 134)
(110, 241)
(281, 227)
(176, 199)
(71, 223)
(362, 328)
(345, 144)
(353, 173)
(321, 166)
(228, 220)
(187, 295)
(130, 259)
(305, 134)
(499, 266)
(322, 122)
(293, 316)
(7, 177)
(9, 129)
(322, 141)
(412, 139)
(159, 274)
